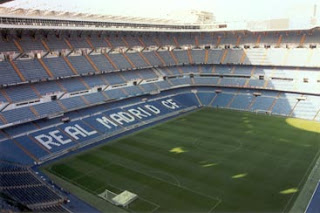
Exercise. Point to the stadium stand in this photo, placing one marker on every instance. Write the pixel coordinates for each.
(20, 184)
(81, 83)
(8, 74)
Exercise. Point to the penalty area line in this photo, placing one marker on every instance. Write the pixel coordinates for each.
(215, 206)
(217, 200)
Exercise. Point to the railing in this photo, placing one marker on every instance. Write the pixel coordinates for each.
(54, 23)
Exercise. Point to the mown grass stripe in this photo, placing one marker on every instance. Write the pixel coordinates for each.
(273, 155)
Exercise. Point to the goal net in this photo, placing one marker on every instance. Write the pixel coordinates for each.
(107, 195)
(266, 112)
(123, 199)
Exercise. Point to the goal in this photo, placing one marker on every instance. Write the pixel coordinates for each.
(266, 112)
(123, 199)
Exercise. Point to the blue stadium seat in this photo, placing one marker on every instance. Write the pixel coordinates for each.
(120, 61)
(137, 60)
(58, 67)
(81, 64)
(206, 97)
(152, 58)
(21, 93)
(31, 69)
(222, 100)
(8, 74)
(101, 62)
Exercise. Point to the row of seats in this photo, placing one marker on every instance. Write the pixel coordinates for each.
(40, 110)
(27, 70)
(19, 183)
(285, 104)
(35, 91)
(104, 121)
(25, 92)
(62, 42)
(105, 118)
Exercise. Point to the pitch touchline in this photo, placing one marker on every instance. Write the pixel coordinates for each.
(316, 158)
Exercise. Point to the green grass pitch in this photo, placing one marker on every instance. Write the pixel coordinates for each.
(206, 161)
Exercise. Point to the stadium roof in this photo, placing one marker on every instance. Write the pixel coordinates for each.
(66, 15)
(4, 1)
(296, 13)
(228, 10)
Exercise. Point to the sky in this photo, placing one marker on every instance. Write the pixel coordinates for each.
(224, 10)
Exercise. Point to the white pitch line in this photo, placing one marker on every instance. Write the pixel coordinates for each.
(183, 187)
(215, 206)
(167, 174)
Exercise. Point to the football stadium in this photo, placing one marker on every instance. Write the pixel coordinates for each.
(117, 113)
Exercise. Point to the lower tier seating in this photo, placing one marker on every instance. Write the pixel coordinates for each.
(40, 140)
(20, 184)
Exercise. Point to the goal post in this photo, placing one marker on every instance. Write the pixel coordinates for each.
(123, 199)
(266, 112)
(107, 195)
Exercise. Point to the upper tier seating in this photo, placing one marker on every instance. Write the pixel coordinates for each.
(73, 103)
(114, 79)
(116, 41)
(72, 85)
(167, 58)
(182, 56)
(147, 74)
(55, 43)
(228, 39)
(206, 39)
(248, 39)
(31, 44)
(49, 108)
(120, 61)
(198, 56)
(165, 40)
(152, 58)
(185, 39)
(78, 42)
(81, 64)
(46, 88)
(30, 93)
(132, 41)
(31, 69)
(235, 82)
(8, 46)
(58, 67)
(234, 56)
(130, 76)
(95, 98)
(98, 41)
(18, 115)
(148, 40)
(101, 62)
(93, 81)
(206, 81)
(137, 60)
(8, 74)
(21, 93)
(214, 56)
